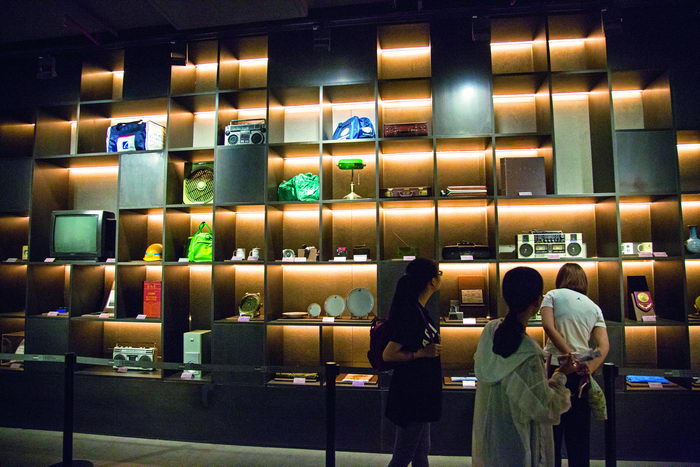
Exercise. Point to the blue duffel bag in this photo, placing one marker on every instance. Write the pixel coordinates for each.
(135, 136)
(354, 128)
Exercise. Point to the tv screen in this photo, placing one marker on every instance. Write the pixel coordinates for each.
(75, 234)
(82, 235)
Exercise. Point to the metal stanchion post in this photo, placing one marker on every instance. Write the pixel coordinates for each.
(609, 375)
(331, 373)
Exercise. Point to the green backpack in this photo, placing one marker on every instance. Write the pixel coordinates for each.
(200, 248)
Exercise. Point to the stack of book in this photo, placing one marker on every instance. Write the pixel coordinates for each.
(463, 191)
(350, 379)
(638, 383)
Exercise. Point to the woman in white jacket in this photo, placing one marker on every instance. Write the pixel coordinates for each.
(516, 405)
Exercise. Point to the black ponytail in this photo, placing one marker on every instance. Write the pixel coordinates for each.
(411, 285)
(522, 287)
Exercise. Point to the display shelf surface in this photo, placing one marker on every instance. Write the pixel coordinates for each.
(111, 372)
(233, 320)
(658, 322)
(563, 259)
(319, 322)
(177, 378)
(17, 314)
(313, 384)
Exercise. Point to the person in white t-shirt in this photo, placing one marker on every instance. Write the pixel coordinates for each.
(571, 321)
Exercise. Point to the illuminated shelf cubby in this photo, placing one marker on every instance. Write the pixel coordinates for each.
(199, 73)
(138, 228)
(406, 163)
(576, 42)
(181, 223)
(656, 347)
(348, 225)
(405, 101)
(54, 282)
(582, 134)
(603, 283)
(288, 160)
(102, 76)
(243, 63)
(13, 289)
(518, 45)
(293, 346)
(449, 289)
(694, 347)
(346, 345)
(294, 115)
(688, 148)
(345, 101)
(692, 274)
(238, 227)
(14, 231)
(652, 219)
(56, 131)
(177, 164)
(594, 218)
(289, 288)
(13, 334)
(466, 220)
(230, 284)
(82, 183)
(130, 289)
(641, 100)
(192, 121)
(289, 226)
(96, 118)
(403, 51)
(17, 132)
(458, 347)
(464, 161)
(336, 182)
(690, 208)
(243, 105)
(97, 339)
(666, 292)
(521, 104)
(407, 224)
(525, 146)
(96, 282)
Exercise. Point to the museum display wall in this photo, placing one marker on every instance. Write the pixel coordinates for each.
(591, 140)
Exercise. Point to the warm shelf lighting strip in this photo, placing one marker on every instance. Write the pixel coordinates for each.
(405, 51)
(555, 42)
(688, 146)
(112, 169)
(407, 102)
(131, 118)
(529, 97)
(548, 208)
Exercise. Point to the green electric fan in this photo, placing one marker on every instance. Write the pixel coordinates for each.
(352, 165)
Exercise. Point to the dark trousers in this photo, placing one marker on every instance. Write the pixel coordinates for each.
(574, 428)
(412, 445)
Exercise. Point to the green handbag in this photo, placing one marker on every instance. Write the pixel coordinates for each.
(200, 248)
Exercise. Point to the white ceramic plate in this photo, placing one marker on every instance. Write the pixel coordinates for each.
(360, 302)
(295, 314)
(314, 310)
(334, 305)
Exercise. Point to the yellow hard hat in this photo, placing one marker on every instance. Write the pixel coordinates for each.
(154, 252)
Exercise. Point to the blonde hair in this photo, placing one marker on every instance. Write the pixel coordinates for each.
(572, 276)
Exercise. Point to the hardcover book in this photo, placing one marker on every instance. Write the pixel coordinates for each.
(152, 298)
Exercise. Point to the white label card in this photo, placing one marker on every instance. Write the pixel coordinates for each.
(11, 260)
(186, 375)
(329, 319)
(469, 321)
(300, 259)
(358, 383)
(661, 254)
(52, 313)
(103, 315)
(646, 254)
(49, 260)
(466, 258)
(340, 259)
(287, 259)
(524, 193)
(409, 258)
(656, 386)
(299, 381)
(237, 258)
(649, 319)
(468, 384)
(243, 319)
(111, 260)
(183, 260)
(16, 366)
(122, 369)
(252, 258)
(140, 316)
(553, 256)
(359, 258)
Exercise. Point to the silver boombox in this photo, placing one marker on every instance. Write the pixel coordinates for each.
(540, 243)
(123, 356)
(238, 133)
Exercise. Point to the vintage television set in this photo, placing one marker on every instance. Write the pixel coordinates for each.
(82, 235)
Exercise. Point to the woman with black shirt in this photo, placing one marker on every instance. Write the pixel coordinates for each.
(415, 393)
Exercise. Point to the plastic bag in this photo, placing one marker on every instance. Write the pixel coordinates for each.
(301, 187)
(200, 248)
(596, 400)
